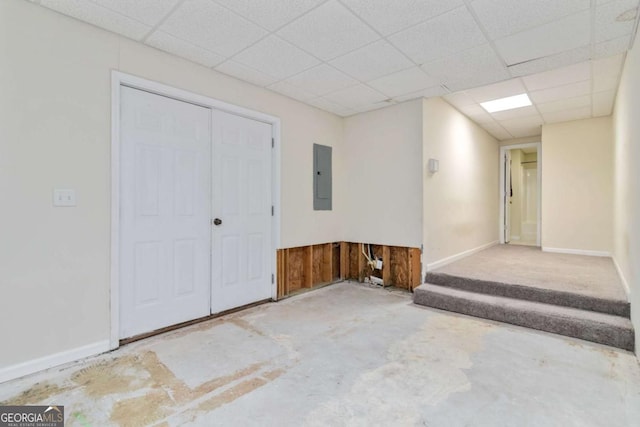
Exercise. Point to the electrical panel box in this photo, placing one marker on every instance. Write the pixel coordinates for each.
(321, 177)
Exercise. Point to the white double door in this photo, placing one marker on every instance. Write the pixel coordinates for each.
(195, 211)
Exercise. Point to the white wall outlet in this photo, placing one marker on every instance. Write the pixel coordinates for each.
(64, 197)
(378, 264)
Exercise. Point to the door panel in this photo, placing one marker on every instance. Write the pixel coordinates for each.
(164, 212)
(242, 200)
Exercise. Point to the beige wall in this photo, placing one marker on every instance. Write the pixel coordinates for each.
(383, 160)
(55, 103)
(461, 201)
(626, 250)
(577, 185)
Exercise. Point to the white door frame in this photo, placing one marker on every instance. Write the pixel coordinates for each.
(119, 79)
(503, 150)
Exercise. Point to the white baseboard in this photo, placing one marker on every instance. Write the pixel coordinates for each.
(459, 256)
(46, 362)
(622, 278)
(576, 252)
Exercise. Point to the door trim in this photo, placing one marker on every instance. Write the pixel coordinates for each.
(119, 79)
(503, 150)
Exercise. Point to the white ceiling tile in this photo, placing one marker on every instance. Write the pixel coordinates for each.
(496, 131)
(528, 121)
(601, 84)
(211, 26)
(476, 113)
(498, 90)
(567, 115)
(245, 73)
(389, 16)
(615, 19)
(504, 17)
(547, 63)
(332, 107)
(425, 93)
(271, 14)
(374, 106)
(608, 67)
(559, 36)
(403, 82)
(516, 113)
(99, 16)
(559, 77)
(474, 81)
(525, 131)
(442, 36)
(565, 104)
(291, 91)
(356, 97)
(603, 103)
(611, 47)
(328, 31)
(567, 91)
(148, 12)
(459, 99)
(173, 45)
(276, 58)
(474, 63)
(372, 61)
(322, 79)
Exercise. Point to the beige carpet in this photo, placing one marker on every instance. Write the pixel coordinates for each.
(529, 266)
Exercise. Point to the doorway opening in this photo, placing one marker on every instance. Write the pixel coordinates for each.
(520, 189)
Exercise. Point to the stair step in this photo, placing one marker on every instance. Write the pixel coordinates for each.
(607, 329)
(529, 293)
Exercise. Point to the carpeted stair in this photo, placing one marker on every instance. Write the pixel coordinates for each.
(589, 318)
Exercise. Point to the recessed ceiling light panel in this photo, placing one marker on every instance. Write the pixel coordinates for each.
(508, 103)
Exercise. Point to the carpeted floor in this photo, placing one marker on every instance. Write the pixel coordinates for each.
(529, 266)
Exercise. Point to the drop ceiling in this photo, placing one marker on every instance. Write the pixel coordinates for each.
(350, 56)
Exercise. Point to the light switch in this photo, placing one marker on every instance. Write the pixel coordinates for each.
(64, 197)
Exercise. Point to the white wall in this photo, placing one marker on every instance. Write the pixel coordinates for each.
(577, 185)
(55, 102)
(627, 182)
(383, 162)
(461, 201)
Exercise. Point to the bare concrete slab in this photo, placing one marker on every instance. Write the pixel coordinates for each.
(529, 266)
(345, 355)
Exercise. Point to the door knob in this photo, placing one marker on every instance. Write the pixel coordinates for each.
(217, 221)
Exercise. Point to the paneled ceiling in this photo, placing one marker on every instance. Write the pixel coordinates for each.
(350, 56)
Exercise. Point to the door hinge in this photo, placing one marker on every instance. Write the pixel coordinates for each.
(273, 209)
(273, 142)
(273, 278)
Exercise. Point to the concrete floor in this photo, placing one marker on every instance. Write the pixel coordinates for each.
(529, 266)
(345, 355)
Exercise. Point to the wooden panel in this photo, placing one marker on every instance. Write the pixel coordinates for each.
(308, 267)
(282, 272)
(327, 263)
(295, 269)
(344, 260)
(386, 265)
(318, 260)
(336, 265)
(415, 266)
(400, 267)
